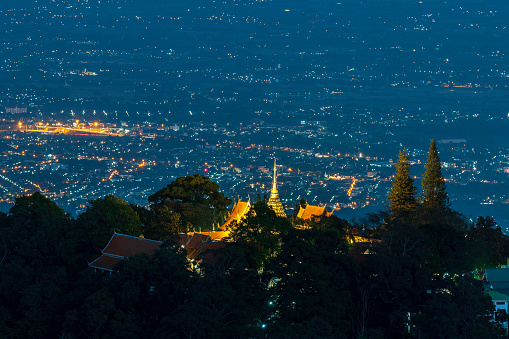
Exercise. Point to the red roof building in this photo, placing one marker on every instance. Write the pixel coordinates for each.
(123, 246)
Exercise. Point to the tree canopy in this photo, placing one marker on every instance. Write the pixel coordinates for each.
(260, 233)
(434, 195)
(195, 198)
(192, 189)
(106, 216)
(402, 198)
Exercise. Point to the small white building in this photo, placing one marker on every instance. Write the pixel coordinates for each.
(497, 287)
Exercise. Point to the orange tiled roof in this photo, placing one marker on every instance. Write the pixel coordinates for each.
(201, 246)
(311, 211)
(239, 210)
(218, 235)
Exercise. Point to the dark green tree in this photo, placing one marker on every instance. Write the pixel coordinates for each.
(260, 233)
(35, 230)
(105, 216)
(160, 223)
(37, 265)
(402, 198)
(434, 196)
(230, 298)
(302, 203)
(387, 288)
(492, 246)
(445, 248)
(459, 309)
(144, 294)
(153, 287)
(310, 284)
(196, 198)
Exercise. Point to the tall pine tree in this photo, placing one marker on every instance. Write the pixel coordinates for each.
(434, 196)
(402, 198)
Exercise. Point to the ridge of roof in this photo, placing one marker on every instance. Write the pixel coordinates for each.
(135, 237)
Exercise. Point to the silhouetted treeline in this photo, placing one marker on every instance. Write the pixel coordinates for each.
(415, 278)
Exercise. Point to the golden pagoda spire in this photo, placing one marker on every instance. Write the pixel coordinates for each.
(274, 202)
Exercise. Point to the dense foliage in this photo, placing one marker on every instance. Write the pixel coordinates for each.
(195, 198)
(273, 280)
(434, 195)
(402, 198)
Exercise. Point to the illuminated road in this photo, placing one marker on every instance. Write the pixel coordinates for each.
(68, 129)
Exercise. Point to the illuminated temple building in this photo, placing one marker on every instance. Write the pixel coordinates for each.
(274, 202)
(312, 211)
(200, 247)
(239, 210)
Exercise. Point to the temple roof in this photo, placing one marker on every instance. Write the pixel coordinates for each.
(310, 211)
(197, 240)
(123, 246)
(105, 262)
(184, 239)
(495, 295)
(200, 246)
(218, 235)
(126, 246)
(239, 210)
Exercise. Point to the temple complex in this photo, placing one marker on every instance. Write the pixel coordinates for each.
(274, 202)
(200, 247)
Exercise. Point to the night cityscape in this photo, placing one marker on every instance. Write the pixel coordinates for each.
(110, 110)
